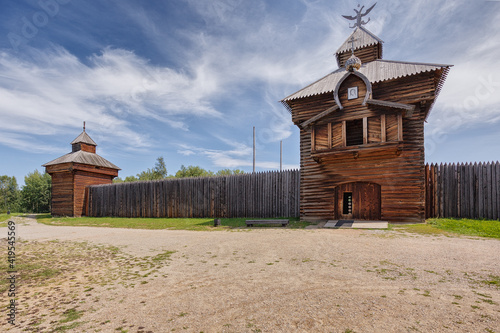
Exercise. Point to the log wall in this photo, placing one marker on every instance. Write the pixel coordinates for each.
(62, 194)
(69, 183)
(451, 190)
(395, 162)
(269, 194)
(463, 190)
(366, 54)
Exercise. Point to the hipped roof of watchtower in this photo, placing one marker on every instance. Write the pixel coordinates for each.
(368, 48)
(83, 152)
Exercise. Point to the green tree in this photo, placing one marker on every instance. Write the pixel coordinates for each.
(9, 194)
(127, 179)
(158, 172)
(35, 195)
(192, 171)
(229, 172)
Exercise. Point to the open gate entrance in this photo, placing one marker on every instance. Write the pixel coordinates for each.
(358, 201)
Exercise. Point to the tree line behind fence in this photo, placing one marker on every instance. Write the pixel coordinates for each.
(267, 194)
(463, 190)
(452, 190)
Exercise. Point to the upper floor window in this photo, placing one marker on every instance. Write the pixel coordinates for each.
(358, 132)
(354, 132)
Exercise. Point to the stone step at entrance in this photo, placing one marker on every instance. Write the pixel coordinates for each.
(356, 224)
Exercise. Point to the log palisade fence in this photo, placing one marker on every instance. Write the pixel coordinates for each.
(463, 190)
(452, 190)
(267, 194)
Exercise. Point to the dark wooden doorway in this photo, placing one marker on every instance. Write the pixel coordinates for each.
(358, 201)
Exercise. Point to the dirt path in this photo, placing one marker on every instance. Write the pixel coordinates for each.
(267, 280)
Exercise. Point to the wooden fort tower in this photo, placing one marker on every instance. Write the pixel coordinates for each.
(73, 172)
(362, 134)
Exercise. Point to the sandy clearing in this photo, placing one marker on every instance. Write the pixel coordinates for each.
(282, 280)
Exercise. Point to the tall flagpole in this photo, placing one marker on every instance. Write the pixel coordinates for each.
(281, 155)
(254, 149)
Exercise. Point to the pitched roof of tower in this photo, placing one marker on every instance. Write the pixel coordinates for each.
(84, 138)
(83, 157)
(362, 38)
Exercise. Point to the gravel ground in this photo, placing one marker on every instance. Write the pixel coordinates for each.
(261, 280)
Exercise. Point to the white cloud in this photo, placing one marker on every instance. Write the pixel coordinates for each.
(53, 90)
(27, 143)
(244, 49)
(240, 156)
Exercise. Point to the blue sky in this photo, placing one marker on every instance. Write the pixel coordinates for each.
(188, 79)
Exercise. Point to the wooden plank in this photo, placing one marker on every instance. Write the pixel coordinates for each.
(365, 130)
(400, 127)
(497, 171)
(494, 212)
(313, 138)
(329, 135)
(471, 191)
(319, 116)
(344, 134)
(382, 128)
(481, 194)
(441, 190)
(488, 191)
(282, 222)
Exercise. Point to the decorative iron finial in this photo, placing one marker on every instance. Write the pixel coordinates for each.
(359, 16)
(84, 126)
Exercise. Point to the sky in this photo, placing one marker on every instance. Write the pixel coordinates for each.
(188, 79)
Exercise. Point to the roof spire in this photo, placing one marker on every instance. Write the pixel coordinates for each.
(352, 40)
(84, 126)
(359, 16)
(353, 63)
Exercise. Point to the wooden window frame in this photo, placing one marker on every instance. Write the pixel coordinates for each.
(383, 131)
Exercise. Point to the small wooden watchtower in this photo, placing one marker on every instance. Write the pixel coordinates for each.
(362, 134)
(73, 172)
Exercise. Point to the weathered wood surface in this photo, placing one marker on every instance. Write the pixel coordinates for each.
(365, 54)
(392, 158)
(69, 183)
(463, 190)
(385, 148)
(282, 222)
(268, 194)
(451, 190)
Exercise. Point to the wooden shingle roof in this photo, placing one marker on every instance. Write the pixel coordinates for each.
(83, 157)
(84, 138)
(376, 71)
(362, 38)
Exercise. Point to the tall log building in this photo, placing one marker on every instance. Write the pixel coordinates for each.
(362, 135)
(73, 172)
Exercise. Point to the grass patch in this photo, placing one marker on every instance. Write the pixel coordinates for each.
(30, 271)
(64, 328)
(452, 226)
(469, 227)
(198, 224)
(163, 256)
(71, 315)
(493, 280)
(423, 229)
(4, 218)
